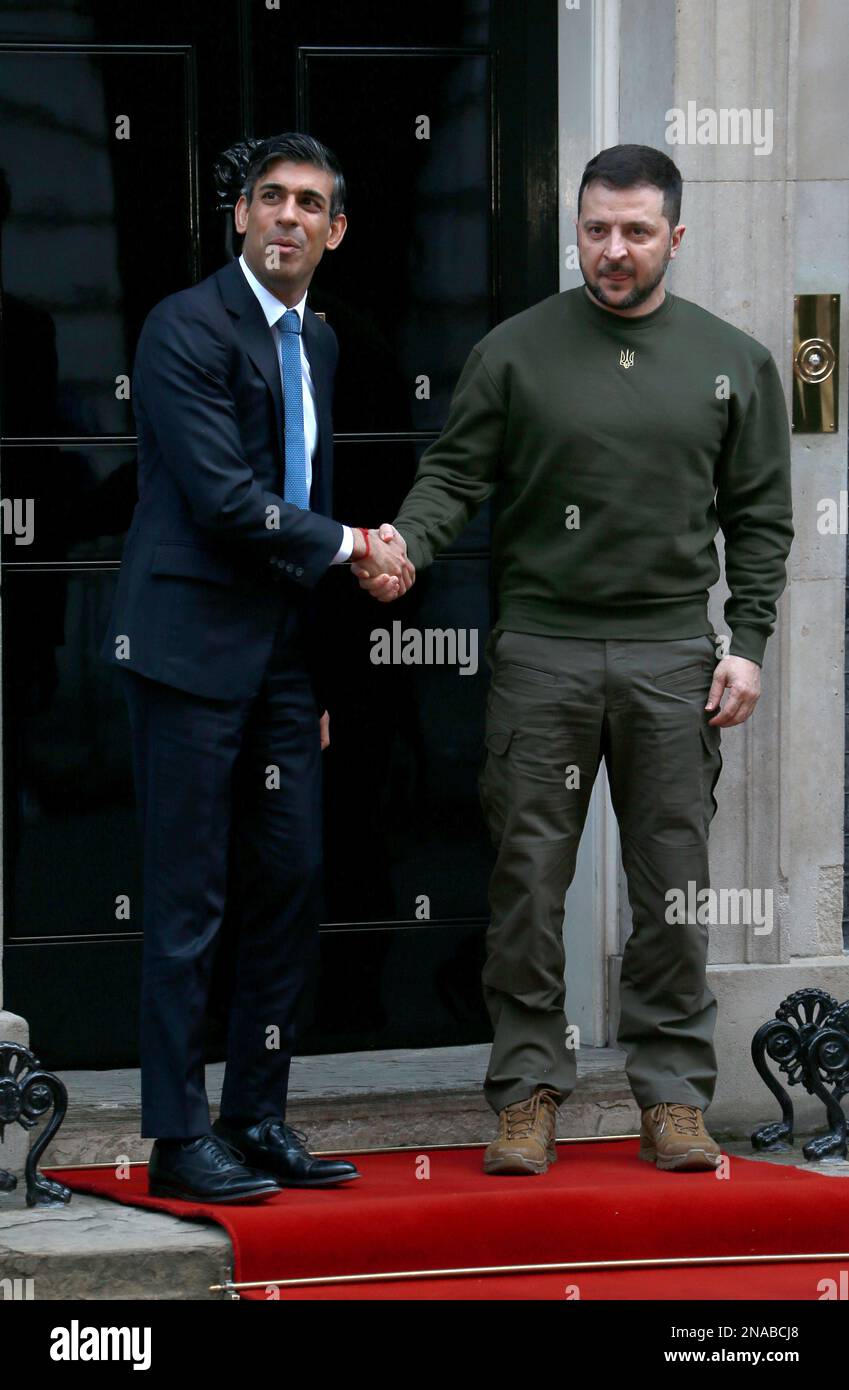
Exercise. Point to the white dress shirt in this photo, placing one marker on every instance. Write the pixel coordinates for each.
(274, 311)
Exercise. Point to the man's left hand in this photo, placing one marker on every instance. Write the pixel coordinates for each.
(742, 680)
(324, 730)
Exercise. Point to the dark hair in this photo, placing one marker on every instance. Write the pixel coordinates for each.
(299, 149)
(627, 166)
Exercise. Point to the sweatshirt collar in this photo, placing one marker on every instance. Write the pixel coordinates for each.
(623, 323)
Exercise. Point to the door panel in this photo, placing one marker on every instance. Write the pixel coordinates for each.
(75, 261)
(416, 263)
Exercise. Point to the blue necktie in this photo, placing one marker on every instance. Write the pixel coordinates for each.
(295, 478)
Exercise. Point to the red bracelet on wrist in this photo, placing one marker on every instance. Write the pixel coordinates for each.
(366, 539)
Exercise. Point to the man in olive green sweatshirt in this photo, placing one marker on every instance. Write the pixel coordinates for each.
(617, 426)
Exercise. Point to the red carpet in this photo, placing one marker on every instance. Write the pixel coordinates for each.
(599, 1202)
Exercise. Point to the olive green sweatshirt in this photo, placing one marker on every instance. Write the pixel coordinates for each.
(613, 447)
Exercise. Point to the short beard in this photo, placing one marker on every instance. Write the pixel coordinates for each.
(638, 295)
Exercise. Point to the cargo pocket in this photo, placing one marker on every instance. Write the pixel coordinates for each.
(493, 780)
(712, 740)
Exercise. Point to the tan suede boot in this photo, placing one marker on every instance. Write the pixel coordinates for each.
(525, 1142)
(674, 1137)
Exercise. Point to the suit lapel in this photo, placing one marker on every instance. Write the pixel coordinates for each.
(258, 342)
(254, 333)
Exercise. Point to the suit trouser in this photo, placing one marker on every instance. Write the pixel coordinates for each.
(556, 707)
(229, 799)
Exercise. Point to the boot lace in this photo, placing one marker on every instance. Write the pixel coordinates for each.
(684, 1118)
(522, 1118)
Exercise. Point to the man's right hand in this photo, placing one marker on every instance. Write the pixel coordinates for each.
(386, 572)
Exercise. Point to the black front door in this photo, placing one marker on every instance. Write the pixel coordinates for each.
(445, 121)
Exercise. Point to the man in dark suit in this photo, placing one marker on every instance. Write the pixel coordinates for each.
(214, 632)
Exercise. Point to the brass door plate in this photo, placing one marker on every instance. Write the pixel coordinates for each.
(816, 345)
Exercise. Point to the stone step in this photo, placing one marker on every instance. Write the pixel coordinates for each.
(98, 1249)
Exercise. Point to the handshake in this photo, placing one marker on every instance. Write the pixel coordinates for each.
(379, 560)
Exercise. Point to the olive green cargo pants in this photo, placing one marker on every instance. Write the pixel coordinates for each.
(556, 706)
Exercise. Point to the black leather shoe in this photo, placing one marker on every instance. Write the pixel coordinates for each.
(207, 1170)
(279, 1149)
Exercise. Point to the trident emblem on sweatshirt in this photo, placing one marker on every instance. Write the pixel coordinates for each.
(626, 358)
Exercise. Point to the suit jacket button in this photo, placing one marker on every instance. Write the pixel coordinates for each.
(299, 571)
(289, 568)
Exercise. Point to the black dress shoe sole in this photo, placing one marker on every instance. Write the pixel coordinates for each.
(163, 1190)
(310, 1182)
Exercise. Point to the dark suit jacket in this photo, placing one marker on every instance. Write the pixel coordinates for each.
(203, 575)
